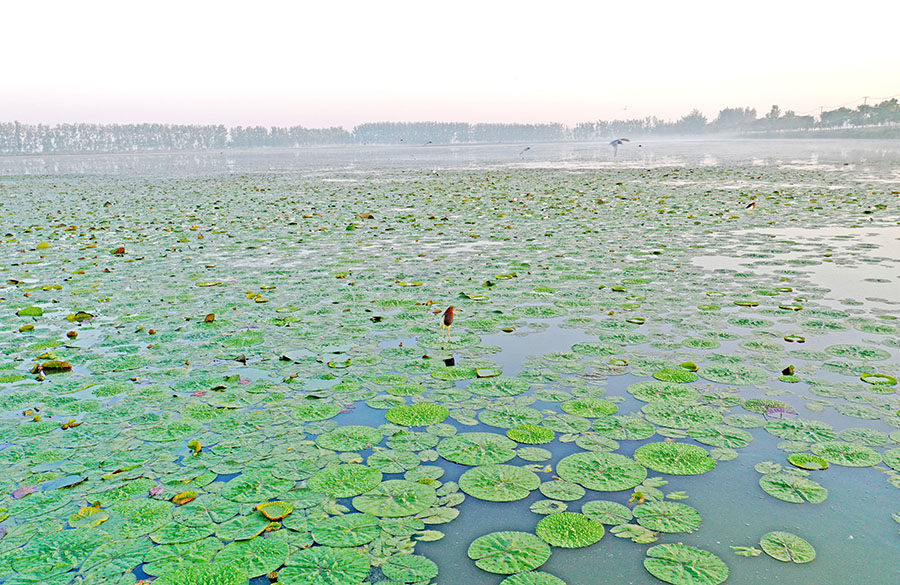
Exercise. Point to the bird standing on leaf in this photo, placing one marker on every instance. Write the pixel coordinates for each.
(446, 322)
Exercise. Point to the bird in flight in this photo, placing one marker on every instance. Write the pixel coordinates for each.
(751, 205)
(615, 144)
(527, 148)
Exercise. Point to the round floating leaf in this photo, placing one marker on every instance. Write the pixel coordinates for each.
(499, 483)
(531, 434)
(677, 375)
(85, 517)
(508, 552)
(607, 512)
(345, 481)
(533, 578)
(322, 565)
(589, 407)
(787, 547)
(734, 374)
(544, 507)
(56, 552)
(409, 569)
(396, 498)
(498, 387)
(347, 530)
(569, 530)
(794, 488)
(722, 436)
(667, 517)
(681, 416)
(562, 490)
(350, 438)
(608, 472)
(858, 352)
(255, 486)
(680, 564)
(312, 411)
(624, 428)
(477, 448)
(798, 429)
(509, 416)
(654, 391)
(807, 461)
(205, 574)
(848, 454)
(256, 557)
(275, 510)
(417, 415)
(879, 379)
(892, 458)
(675, 458)
(454, 373)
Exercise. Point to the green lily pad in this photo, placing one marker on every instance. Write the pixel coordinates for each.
(350, 438)
(569, 530)
(790, 487)
(675, 458)
(322, 565)
(256, 557)
(499, 483)
(498, 387)
(847, 454)
(347, 530)
(417, 415)
(589, 407)
(533, 578)
(345, 481)
(508, 552)
(680, 564)
(667, 517)
(206, 574)
(607, 512)
(396, 498)
(477, 448)
(531, 434)
(409, 569)
(607, 472)
(787, 547)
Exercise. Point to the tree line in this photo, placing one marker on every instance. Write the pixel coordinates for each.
(17, 138)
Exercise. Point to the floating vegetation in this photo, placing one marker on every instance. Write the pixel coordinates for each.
(278, 397)
(569, 530)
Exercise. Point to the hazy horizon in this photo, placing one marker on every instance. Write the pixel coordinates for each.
(349, 63)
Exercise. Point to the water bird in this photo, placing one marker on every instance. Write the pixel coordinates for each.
(615, 144)
(751, 205)
(447, 321)
(524, 150)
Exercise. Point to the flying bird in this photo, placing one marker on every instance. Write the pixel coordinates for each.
(527, 148)
(615, 144)
(751, 205)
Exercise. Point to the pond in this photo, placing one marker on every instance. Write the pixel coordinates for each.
(229, 368)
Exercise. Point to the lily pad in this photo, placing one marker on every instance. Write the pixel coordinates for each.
(602, 471)
(790, 487)
(667, 517)
(675, 458)
(508, 552)
(499, 483)
(787, 547)
(569, 530)
(680, 564)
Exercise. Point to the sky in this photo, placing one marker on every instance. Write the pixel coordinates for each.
(342, 63)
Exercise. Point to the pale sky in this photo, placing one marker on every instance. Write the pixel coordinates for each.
(341, 63)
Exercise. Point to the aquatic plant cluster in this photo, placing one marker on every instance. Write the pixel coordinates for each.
(231, 378)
